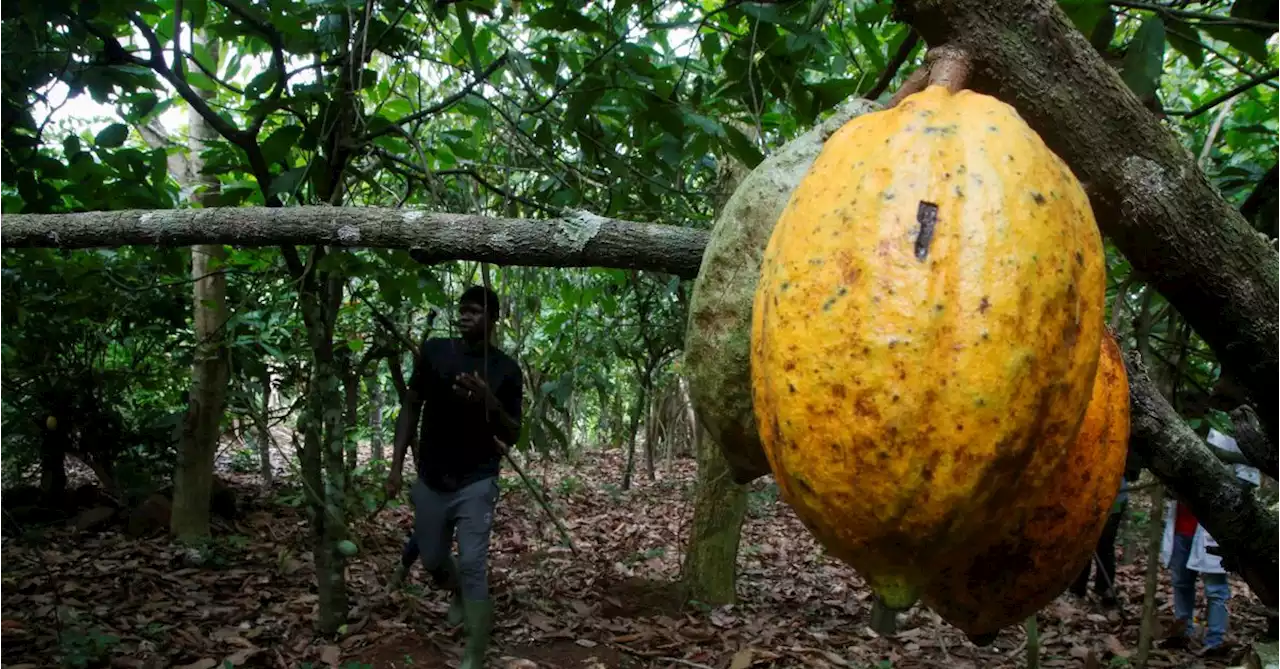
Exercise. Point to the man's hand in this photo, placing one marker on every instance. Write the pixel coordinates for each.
(393, 484)
(473, 388)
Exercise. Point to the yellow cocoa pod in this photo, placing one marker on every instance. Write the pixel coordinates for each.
(1049, 532)
(926, 322)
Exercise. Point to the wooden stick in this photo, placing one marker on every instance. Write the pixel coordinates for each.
(1155, 532)
(537, 496)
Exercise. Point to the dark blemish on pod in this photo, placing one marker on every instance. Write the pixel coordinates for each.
(1079, 258)
(792, 388)
(789, 365)
(815, 261)
(946, 175)
(927, 217)
(896, 398)
(866, 350)
(888, 195)
(1037, 197)
(992, 128)
(984, 305)
(785, 286)
(959, 191)
(826, 306)
(938, 308)
(959, 427)
(839, 390)
(980, 402)
(960, 170)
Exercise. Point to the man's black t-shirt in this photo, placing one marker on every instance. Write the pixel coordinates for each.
(455, 445)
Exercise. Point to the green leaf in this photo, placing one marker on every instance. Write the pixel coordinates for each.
(1085, 14)
(1185, 39)
(276, 147)
(1246, 41)
(1258, 10)
(288, 182)
(742, 148)
(1144, 60)
(111, 136)
(1103, 31)
(870, 44)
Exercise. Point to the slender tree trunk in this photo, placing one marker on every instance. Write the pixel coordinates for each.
(651, 436)
(634, 428)
(193, 480)
(710, 564)
(1155, 530)
(375, 414)
(264, 432)
(351, 415)
(53, 465)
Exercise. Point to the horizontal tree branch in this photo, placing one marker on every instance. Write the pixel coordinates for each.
(1224, 504)
(1148, 194)
(578, 240)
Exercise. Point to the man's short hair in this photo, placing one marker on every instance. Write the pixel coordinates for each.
(485, 297)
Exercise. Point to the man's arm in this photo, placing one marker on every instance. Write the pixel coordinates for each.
(507, 416)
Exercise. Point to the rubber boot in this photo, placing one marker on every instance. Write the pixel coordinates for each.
(447, 578)
(479, 616)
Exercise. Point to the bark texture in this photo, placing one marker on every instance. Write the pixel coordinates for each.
(193, 478)
(1260, 452)
(1148, 194)
(710, 571)
(1226, 506)
(582, 240)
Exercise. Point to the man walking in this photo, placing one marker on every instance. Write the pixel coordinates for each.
(468, 394)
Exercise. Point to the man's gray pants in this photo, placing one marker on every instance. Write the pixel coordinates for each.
(469, 510)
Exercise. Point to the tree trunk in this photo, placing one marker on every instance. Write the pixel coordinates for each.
(1148, 194)
(193, 479)
(710, 564)
(636, 415)
(324, 469)
(584, 240)
(375, 415)
(651, 435)
(53, 465)
(264, 432)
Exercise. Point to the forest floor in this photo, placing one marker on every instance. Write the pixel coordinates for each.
(249, 597)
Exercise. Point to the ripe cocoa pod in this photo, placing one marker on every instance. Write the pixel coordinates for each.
(1049, 532)
(926, 323)
(718, 337)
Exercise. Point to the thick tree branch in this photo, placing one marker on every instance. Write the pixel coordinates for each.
(1148, 194)
(1225, 505)
(578, 240)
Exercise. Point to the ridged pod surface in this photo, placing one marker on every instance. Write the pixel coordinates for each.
(1051, 531)
(718, 337)
(926, 322)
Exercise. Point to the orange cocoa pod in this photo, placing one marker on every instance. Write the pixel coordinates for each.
(1051, 531)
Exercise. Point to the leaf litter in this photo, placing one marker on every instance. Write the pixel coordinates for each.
(104, 599)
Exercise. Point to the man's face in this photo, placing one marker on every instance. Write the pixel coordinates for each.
(473, 322)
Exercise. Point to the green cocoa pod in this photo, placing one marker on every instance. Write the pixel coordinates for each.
(718, 339)
(347, 547)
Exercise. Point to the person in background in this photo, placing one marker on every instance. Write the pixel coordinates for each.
(469, 396)
(1183, 551)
